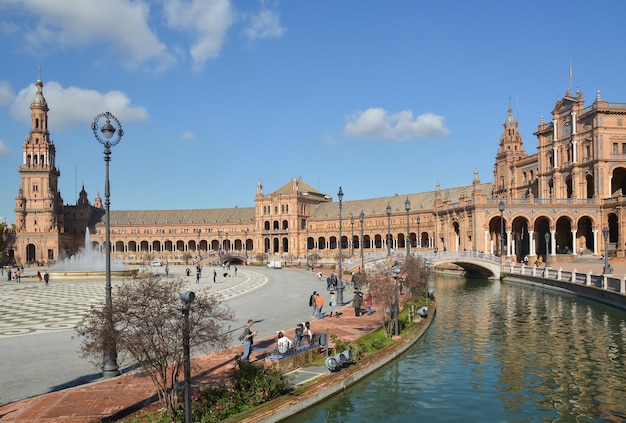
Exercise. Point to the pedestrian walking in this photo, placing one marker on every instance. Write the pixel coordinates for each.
(167, 271)
(312, 303)
(356, 303)
(248, 340)
(214, 275)
(319, 303)
(198, 274)
(332, 303)
(39, 277)
(235, 270)
(369, 301)
(46, 278)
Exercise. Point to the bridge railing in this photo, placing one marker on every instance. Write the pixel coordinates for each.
(608, 282)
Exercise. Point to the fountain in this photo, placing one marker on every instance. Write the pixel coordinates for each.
(89, 262)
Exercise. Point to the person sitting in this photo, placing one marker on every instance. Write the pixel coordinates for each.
(307, 333)
(284, 344)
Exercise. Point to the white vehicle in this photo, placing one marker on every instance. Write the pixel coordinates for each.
(274, 264)
(156, 263)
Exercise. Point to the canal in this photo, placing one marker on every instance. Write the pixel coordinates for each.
(498, 352)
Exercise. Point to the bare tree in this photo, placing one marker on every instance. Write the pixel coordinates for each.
(381, 286)
(148, 330)
(415, 276)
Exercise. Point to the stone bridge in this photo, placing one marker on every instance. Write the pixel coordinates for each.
(474, 263)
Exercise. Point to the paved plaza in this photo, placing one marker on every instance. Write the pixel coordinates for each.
(32, 307)
(40, 350)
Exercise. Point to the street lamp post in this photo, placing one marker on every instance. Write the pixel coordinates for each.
(501, 207)
(396, 307)
(407, 207)
(605, 233)
(547, 238)
(419, 234)
(109, 362)
(361, 218)
(340, 273)
(187, 297)
(388, 230)
(352, 236)
(198, 247)
(245, 243)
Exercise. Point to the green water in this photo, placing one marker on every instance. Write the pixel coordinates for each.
(498, 353)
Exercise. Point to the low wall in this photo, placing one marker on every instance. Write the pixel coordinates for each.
(332, 383)
(581, 286)
(296, 360)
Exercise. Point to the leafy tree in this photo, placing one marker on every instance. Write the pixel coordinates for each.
(148, 330)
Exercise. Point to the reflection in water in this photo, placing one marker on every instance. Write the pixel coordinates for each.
(498, 352)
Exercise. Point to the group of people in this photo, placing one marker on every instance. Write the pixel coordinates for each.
(302, 336)
(316, 302)
(16, 275)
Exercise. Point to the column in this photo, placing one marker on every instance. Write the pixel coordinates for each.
(486, 243)
(595, 242)
(552, 243)
(509, 242)
(574, 246)
(531, 242)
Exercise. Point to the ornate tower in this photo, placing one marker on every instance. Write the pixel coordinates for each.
(510, 150)
(38, 206)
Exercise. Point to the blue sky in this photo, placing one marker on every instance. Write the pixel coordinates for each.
(379, 97)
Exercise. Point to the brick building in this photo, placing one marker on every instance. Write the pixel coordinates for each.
(556, 201)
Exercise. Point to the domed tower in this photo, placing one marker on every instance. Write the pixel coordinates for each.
(38, 211)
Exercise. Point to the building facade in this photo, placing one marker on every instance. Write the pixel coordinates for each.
(554, 203)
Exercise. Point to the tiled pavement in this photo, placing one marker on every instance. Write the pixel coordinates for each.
(35, 307)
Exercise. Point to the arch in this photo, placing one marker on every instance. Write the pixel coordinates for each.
(367, 242)
(332, 242)
(378, 241)
(266, 225)
(456, 227)
(321, 243)
(584, 234)
(613, 229)
(520, 237)
(496, 239)
(156, 246)
(563, 236)
(119, 246)
(132, 246)
(618, 181)
(569, 186)
(285, 225)
(542, 227)
(285, 244)
(275, 245)
(589, 185)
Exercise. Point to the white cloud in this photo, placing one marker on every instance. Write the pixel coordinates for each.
(207, 20)
(188, 135)
(377, 123)
(4, 150)
(6, 93)
(121, 26)
(77, 106)
(265, 25)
